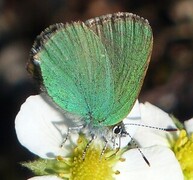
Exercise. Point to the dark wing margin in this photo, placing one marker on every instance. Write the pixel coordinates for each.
(33, 65)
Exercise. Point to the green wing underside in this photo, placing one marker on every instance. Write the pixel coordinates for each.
(96, 70)
(128, 41)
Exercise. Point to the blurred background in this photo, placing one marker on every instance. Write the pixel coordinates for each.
(168, 84)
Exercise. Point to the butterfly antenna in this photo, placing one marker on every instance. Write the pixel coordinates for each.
(153, 127)
(88, 145)
(135, 144)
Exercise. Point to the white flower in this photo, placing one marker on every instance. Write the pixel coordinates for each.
(45, 178)
(189, 126)
(152, 116)
(180, 142)
(41, 129)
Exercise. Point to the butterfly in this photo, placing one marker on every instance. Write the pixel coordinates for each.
(94, 69)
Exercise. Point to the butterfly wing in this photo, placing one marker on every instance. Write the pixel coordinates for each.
(128, 40)
(94, 70)
(74, 68)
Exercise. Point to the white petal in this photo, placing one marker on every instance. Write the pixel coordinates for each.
(41, 128)
(163, 165)
(45, 178)
(133, 117)
(154, 117)
(189, 126)
(135, 112)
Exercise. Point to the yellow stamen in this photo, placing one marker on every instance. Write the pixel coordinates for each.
(93, 165)
(117, 172)
(183, 149)
(122, 159)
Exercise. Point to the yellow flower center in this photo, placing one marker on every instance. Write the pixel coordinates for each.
(183, 149)
(93, 165)
(84, 163)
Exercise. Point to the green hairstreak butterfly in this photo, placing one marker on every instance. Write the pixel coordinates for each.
(94, 69)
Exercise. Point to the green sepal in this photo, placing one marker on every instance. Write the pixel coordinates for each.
(47, 167)
(178, 124)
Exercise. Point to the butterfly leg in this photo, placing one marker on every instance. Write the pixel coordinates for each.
(104, 148)
(114, 144)
(119, 145)
(70, 129)
(113, 141)
(88, 145)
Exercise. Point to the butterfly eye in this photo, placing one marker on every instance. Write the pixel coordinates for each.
(117, 129)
